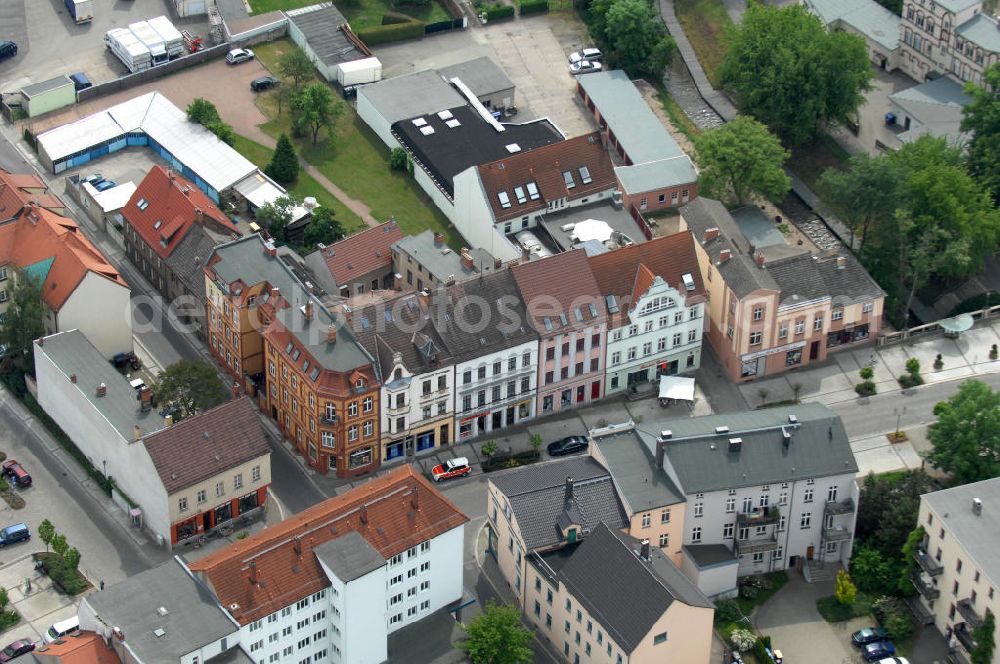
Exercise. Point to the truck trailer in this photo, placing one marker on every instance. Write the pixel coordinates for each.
(81, 11)
(173, 40)
(132, 52)
(150, 39)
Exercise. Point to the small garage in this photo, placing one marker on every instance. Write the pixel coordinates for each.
(49, 95)
(322, 32)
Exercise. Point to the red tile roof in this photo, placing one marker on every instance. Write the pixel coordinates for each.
(545, 167)
(19, 189)
(38, 235)
(173, 205)
(628, 273)
(363, 252)
(560, 284)
(207, 444)
(85, 648)
(393, 512)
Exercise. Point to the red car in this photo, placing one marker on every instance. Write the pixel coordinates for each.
(16, 473)
(458, 467)
(16, 649)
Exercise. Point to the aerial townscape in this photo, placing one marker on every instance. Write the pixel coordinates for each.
(499, 331)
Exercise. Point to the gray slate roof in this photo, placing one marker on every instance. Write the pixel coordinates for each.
(320, 25)
(343, 355)
(189, 256)
(633, 467)
(936, 109)
(660, 174)
(710, 555)
(701, 461)
(868, 17)
(805, 277)
(442, 262)
(982, 31)
(350, 557)
(978, 534)
(626, 594)
(46, 86)
(73, 354)
(245, 259)
(482, 75)
(957, 5)
(537, 496)
(193, 616)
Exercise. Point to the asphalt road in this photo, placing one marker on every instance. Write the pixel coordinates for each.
(289, 482)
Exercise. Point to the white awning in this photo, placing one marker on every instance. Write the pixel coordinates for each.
(677, 387)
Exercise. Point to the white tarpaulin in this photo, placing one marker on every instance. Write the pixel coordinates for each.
(591, 229)
(677, 387)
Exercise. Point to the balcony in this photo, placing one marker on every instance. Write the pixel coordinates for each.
(925, 585)
(761, 517)
(838, 507)
(393, 411)
(836, 534)
(330, 419)
(928, 564)
(745, 546)
(964, 636)
(972, 618)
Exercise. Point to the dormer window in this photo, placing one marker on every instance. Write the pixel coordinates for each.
(359, 384)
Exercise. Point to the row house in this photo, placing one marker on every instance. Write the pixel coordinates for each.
(954, 37)
(357, 264)
(424, 261)
(750, 492)
(656, 310)
(774, 306)
(956, 572)
(564, 306)
(416, 372)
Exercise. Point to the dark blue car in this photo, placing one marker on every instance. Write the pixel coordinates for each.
(878, 650)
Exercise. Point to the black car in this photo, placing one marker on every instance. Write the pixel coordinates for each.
(8, 49)
(868, 635)
(264, 83)
(568, 445)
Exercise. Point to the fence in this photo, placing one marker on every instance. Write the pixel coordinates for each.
(641, 222)
(442, 26)
(931, 328)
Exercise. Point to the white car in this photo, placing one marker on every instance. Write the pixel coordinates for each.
(238, 55)
(584, 67)
(585, 54)
(894, 660)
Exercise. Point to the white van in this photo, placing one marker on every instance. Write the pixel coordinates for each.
(61, 629)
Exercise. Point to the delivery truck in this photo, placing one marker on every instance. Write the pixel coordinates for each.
(82, 11)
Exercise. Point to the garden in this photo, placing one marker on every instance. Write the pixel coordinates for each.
(62, 563)
(732, 616)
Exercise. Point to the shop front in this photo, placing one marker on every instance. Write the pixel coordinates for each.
(220, 515)
(849, 335)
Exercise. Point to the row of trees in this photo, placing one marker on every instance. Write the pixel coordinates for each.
(206, 114)
(632, 35)
(324, 227)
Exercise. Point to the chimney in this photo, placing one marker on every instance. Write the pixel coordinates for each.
(735, 445)
(297, 545)
(331, 334)
(977, 506)
(72, 378)
(364, 514)
(760, 260)
(269, 249)
(525, 254)
(102, 390)
(569, 489)
(438, 239)
(661, 444)
(753, 249)
(136, 433)
(644, 549)
(725, 255)
(253, 572)
(467, 261)
(168, 421)
(497, 263)
(199, 215)
(425, 298)
(307, 310)
(841, 262)
(146, 398)
(414, 499)
(710, 234)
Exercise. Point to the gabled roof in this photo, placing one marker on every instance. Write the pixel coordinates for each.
(362, 253)
(188, 258)
(623, 592)
(526, 182)
(78, 648)
(53, 249)
(560, 292)
(18, 189)
(165, 206)
(983, 31)
(393, 512)
(868, 17)
(841, 278)
(207, 444)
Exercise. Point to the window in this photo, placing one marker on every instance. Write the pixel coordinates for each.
(758, 313)
(805, 521)
(800, 327)
(807, 497)
(730, 505)
(818, 323)
(838, 314)
(220, 489)
(664, 540)
(727, 531)
(182, 504)
(237, 481)
(755, 338)
(758, 557)
(783, 331)
(201, 496)
(867, 308)
(699, 509)
(696, 534)
(747, 505)
(352, 409)
(665, 516)
(645, 520)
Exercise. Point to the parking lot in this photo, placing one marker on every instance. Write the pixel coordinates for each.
(50, 43)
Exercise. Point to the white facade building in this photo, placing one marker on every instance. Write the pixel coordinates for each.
(496, 390)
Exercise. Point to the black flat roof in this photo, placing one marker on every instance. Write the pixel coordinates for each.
(450, 150)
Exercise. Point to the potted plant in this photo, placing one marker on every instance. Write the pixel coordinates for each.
(993, 352)
(938, 363)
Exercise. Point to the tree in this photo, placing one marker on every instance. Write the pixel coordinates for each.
(637, 37)
(870, 190)
(497, 636)
(23, 322)
(323, 228)
(190, 385)
(845, 591)
(965, 439)
(742, 639)
(398, 159)
(284, 166)
(276, 215)
(789, 72)
(489, 448)
(4, 599)
(46, 531)
(536, 441)
(887, 509)
(223, 131)
(315, 109)
(872, 572)
(908, 563)
(297, 66)
(202, 111)
(983, 637)
(72, 558)
(59, 544)
(982, 120)
(742, 159)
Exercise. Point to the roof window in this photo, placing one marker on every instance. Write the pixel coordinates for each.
(585, 175)
(504, 199)
(578, 314)
(563, 319)
(548, 323)
(314, 374)
(142, 204)
(568, 179)
(157, 224)
(532, 191)
(521, 198)
(593, 310)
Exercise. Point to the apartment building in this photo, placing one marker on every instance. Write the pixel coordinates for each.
(953, 37)
(774, 306)
(357, 264)
(331, 583)
(416, 372)
(565, 306)
(763, 490)
(958, 574)
(484, 326)
(656, 310)
(424, 261)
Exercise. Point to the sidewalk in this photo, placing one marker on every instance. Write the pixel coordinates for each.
(32, 595)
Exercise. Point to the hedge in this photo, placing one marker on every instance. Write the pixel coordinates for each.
(382, 34)
(534, 6)
(395, 18)
(498, 11)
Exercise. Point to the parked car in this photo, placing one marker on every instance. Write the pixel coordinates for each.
(104, 185)
(16, 649)
(94, 179)
(585, 54)
(80, 81)
(457, 467)
(893, 660)
(567, 445)
(8, 49)
(239, 55)
(61, 629)
(868, 635)
(13, 534)
(878, 650)
(16, 473)
(264, 83)
(584, 67)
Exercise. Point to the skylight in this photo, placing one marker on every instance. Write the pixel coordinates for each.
(453, 123)
(314, 374)
(532, 191)
(585, 175)
(568, 178)
(513, 148)
(519, 192)
(142, 204)
(548, 323)
(445, 114)
(563, 319)
(593, 310)
(612, 305)
(504, 199)
(419, 122)
(427, 131)
(157, 224)
(578, 314)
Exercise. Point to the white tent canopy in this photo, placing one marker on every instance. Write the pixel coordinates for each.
(592, 229)
(677, 387)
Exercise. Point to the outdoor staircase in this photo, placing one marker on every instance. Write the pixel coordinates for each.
(815, 571)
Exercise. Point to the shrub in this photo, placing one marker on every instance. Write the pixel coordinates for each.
(498, 11)
(910, 380)
(994, 352)
(742, 639)
(383, 34)
(867, 373)
(749, 591)
(894, 616)
(938, 363)
(913, 366)
(489, 448)
(397, 159)
(534, 6)
(727, 610)
(845, 591)
(866, 388)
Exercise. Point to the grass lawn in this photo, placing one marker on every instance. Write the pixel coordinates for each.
(262, 6)
(778, 581)
(357, 161)
(305, 185)
(834, 612)
(361, 14)
(705, 23)
(809, 162)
